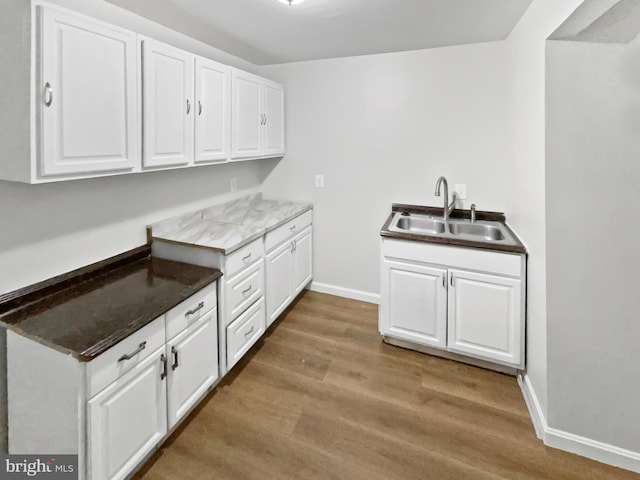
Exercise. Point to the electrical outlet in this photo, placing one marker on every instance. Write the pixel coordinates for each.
(234, 184)
(461, 190)
(320, 181)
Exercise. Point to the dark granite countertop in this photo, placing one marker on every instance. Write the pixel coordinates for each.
(518, 247)
(87, 311)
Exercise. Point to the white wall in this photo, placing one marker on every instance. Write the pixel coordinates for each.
(526, 196)
(382, 129)
(51, 229)
(593, 223)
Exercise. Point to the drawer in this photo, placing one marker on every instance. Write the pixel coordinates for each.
(244, 257)
(243, 289)
(289, 229)
(112, 364)
(244, 332)
(189, 311)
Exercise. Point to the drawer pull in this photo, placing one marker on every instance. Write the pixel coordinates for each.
(292, 228)
(163, 372)
(48, 91)
(129, 356)
(175, 365)
(246, 259)
(194, 310)
(244, 292)
(250, 331)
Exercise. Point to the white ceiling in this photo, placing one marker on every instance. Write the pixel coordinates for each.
(315, 29)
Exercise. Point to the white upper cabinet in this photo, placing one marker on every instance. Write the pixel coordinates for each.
(273, 143)
(246, 115)
(257, 116)
(90, 99)
(167, 105)
(86, 96)
(212, 119)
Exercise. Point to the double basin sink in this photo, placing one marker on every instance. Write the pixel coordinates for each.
(482, 230)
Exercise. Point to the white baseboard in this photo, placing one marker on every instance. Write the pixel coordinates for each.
(586, 447)
(345, 292)
(533, 405)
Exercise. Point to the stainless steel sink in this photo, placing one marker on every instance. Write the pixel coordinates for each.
(462, 229)
(486, 232)
(419, 224)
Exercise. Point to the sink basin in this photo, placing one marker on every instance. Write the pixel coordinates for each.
(459, 229)
(418, 224)
(486, 232)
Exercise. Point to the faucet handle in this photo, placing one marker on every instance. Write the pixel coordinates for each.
(473, 213)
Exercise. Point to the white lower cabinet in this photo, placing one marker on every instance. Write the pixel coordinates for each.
(116, 409)
(279, 264)
(484, 316)
(416, 307)
(193, 358)
(465, 301)
(127, 419)
(289, 269)
(302, 260)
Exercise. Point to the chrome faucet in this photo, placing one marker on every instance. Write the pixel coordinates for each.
(448, 207)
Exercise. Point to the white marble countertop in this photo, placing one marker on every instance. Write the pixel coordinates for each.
(228, 226)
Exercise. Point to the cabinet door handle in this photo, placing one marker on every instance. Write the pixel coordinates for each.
(129, 356)
(444, 281)
(174, 351)
(292, 246)
(163, 372)
(48, 94)
(244, 292)
(199, 107)
(246, 258)
(295, 245)
(451, 278)
(265, 118)
(188, 106)
(250, 331)
(194, 310)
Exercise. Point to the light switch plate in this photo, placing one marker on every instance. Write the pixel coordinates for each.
(234, 184)
(461, 190)
(320, 181)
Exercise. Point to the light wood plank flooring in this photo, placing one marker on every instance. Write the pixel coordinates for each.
(321, 397)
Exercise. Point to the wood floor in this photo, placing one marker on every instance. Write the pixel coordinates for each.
(321, 397)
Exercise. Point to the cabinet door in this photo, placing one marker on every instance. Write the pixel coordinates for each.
(273, 119)
(167, 109)
(212, 111)
(193, 358)
(127, 419)
(279, 283)
(302, 260)
(87, 96)
(246, 115)
(414, 303)
(485, 316)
